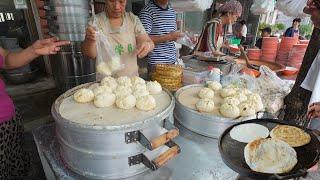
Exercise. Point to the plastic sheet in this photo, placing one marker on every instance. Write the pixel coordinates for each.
(293, 8)
(262, 6)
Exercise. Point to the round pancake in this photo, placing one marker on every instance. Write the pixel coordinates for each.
(294, 136)
(270, 156)
(248, 132)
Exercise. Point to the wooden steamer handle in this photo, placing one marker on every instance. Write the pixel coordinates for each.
(167, 156)
(164, 138)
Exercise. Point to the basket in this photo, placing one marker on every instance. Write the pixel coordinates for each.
(168, 75)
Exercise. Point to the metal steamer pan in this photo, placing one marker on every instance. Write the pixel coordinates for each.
(204, 124)
(114, 151)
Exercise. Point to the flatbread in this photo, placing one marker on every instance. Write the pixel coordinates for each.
(294, 136)
(248, 132)
(270, 156)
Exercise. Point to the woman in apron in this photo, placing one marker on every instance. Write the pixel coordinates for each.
(211, 38)
(14, 162)
(124, 32)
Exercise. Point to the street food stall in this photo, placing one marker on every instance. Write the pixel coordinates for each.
(207, 117)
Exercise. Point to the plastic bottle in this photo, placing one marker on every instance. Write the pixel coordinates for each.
(214, 74)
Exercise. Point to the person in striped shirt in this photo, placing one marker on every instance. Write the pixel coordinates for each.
(159, 20)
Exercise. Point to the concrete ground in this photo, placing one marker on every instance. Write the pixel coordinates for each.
(35, 111)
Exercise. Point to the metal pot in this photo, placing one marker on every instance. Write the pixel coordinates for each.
(113, 151)
(204, 124)
(21, 77)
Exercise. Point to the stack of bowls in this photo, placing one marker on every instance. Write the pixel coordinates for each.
(269, 49)
(296, 55)
(285, 48)
(254, 54)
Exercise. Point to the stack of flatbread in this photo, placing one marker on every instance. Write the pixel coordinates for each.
(270, 155)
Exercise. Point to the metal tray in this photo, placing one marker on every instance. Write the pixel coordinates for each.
(308, 155)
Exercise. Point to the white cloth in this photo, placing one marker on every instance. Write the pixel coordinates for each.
(312, 80)
(244, 31)
(312, 83)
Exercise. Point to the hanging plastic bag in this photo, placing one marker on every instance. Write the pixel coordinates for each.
(185, 40)
(108, 62)
(292, 8)
(262, 6)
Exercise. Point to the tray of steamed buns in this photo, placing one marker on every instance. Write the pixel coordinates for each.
(269, 148)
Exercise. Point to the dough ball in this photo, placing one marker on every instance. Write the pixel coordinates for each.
(146, 103)
(104, 99)
(256, 100)
(245, 91)
(102, 89)
(114, 64)
(205, 105)
(139, 87)
(137, 80)
(124, 81)
(93, 86)
(206, 93)
(140, 92)
(103, 68)
(122, 91)
(154, 87)
(214, 85)
(226, 92)
(231, 100)
(110, 82)
(247, 109)
(83, 96)
(240, 96)
(229, 110)
(127, 102)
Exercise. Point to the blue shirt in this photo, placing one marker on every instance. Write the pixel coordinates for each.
(159, 21)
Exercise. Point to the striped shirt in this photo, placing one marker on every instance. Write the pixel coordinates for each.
(158, 21)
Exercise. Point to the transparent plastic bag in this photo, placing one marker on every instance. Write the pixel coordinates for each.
(237, 79)
(108, 62)
(292, 8)
(185, 40)
(262, 6)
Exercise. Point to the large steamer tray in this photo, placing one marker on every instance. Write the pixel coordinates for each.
(232, 153)
(202, 123)
(103, 152)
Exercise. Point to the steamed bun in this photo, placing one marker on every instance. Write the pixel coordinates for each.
(102, 89)
(83, 96)
(104, 99)
(229, 110)
(140, 92)
(231, 100)
(127, 102)
(205, 105)
(110, 82)
(137, 80)
(247, 109)
(124, 81)
(154, 87)
(226, 92)
(206, 93)
(215, 86)
(103, 68)
(146, 103)
(122, 91)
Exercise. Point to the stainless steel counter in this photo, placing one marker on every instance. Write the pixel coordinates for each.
(199, 159)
